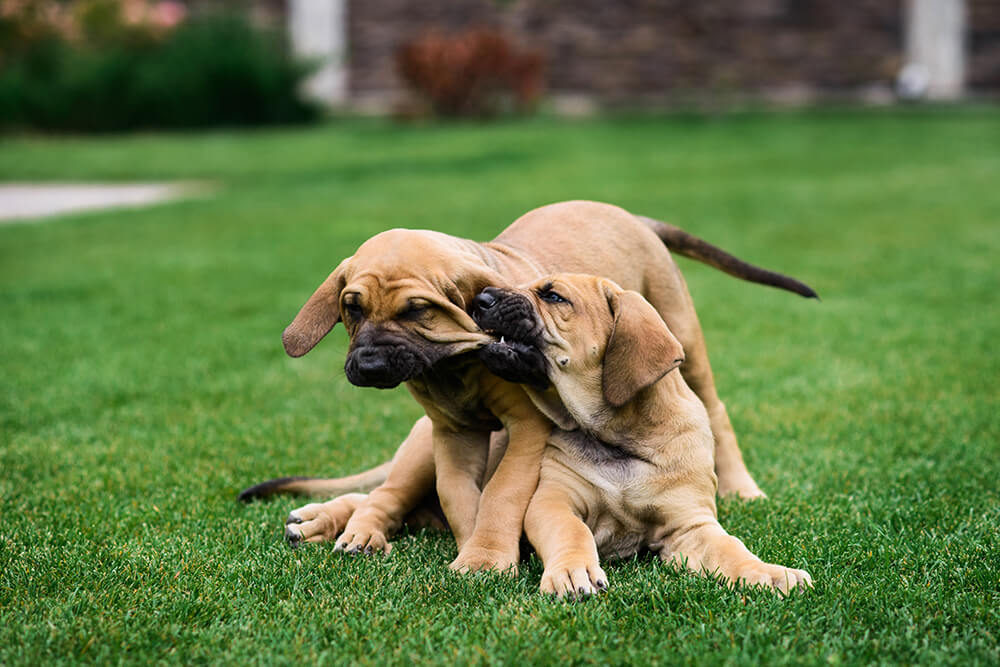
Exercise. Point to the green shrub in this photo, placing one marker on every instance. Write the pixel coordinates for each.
(209, 71)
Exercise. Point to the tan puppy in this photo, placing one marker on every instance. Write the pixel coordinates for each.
(631, 467)
(414, 328)
(403, 298)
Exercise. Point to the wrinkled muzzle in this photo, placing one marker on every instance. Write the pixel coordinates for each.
(383, 361)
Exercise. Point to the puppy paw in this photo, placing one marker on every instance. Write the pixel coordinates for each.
(474, 558)
(740, 485)
(317, 522)
(574, 580)
(359, 541)
(775, 577)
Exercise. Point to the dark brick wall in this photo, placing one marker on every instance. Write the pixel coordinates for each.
(629, 49)
(984, 45)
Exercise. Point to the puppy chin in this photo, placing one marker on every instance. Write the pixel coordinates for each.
(380, 382)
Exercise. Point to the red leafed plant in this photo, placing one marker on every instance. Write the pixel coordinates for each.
(476, 73)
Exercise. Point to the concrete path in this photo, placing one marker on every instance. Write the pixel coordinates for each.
(23, 202)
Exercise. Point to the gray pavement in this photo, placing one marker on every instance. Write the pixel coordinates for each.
(26, 202)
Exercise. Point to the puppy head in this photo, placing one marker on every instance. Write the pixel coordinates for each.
(402, 297)
(598, 344)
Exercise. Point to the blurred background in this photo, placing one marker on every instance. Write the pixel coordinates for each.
(122, 64)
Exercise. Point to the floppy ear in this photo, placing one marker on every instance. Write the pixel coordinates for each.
(640, 350)
(317, 316)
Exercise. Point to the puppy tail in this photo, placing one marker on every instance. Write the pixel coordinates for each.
(679, 241)
(363, 482)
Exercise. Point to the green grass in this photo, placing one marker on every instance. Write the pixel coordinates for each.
(143, 384)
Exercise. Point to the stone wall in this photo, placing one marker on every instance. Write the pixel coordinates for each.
(667, 50)
(634, 49)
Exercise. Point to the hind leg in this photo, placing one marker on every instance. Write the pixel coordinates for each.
(323, 522)
(691, 536)
(734, 478)
(708, 549)
(668, 293)
(410, 479)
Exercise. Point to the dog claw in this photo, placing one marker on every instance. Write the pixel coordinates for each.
(293, 519)
(293, 537)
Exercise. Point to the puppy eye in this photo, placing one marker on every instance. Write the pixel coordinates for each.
(413, 311)
(551, 297)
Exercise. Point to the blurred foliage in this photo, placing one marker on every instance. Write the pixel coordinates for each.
(476, 73)
(106, 65)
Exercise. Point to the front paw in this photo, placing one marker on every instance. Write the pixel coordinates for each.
(574, 580)
(474, 558)
(360, 539)
(740, 485)
(780, 579)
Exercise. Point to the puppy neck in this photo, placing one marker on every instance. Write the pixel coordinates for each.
(550, 404)
(655, 410)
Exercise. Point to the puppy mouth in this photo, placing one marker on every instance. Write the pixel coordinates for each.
(511, 348)
(516, 354)
(516, 361)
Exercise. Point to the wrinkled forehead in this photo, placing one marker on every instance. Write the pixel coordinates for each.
(401, 262)
(375, 283)
(377, 289)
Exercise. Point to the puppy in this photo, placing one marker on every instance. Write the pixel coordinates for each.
(631, 465)
(403, 297)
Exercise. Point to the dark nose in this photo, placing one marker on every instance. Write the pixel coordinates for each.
(485, 299)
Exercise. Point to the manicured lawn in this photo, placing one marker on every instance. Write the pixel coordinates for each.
(143, 384)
